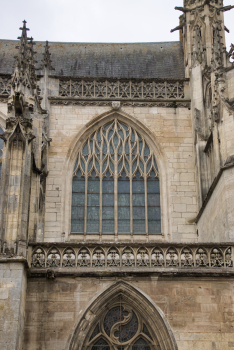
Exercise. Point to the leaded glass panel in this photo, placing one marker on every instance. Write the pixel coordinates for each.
(123, 204)
(78, 203)
(115, 184)
(108, 223)
(154, 210)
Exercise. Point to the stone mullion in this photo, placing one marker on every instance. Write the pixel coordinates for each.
(116, 191)
(146, 205)
(130, 172)
(86, 199)
(100, 197)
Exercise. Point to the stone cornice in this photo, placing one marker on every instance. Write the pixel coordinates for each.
(73, 101)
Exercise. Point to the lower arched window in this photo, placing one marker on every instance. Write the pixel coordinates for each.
(115, 188)
(121, 328)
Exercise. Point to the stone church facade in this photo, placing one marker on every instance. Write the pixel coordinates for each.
(117, 191)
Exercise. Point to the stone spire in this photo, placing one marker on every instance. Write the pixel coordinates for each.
(46, 62)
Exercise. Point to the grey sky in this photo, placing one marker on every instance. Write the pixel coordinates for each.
(97, 20)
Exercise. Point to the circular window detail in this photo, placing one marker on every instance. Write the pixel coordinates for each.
(121, 328)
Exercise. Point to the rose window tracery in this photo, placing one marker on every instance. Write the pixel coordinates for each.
(121, 328)
(115, 188)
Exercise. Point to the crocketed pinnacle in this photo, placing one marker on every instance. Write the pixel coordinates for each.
(25, 61)
(46, 62)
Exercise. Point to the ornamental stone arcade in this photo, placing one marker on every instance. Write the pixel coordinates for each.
(117, 191)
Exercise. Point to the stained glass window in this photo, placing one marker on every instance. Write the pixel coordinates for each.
(115, 186)
(120, 328)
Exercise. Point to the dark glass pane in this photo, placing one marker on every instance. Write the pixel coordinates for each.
(77, 212)
(85, 149)
(138, 186)
(101, 344)
(123, 199)
(78, 185)
(154, 200)
(93, 199)
(92, 226)
(104, 148)
(90, 165)
(141, 344)
(92, 212)
(124, 187)
(138, 200)
(126, 331)
(123, 226)
(116, 140)
(154, 213)
(78, 198)
(93, 186)
(138, 212)
(154, 226)
(126, 147)
(95, 332)
(153, 186)
(124, 213)
(110, 133)
(139, 226)
(147, 150)
(145, 330)
(121, 134)
(108, 213)
(108, 186)
(107, 199)
(108, 226)
(77, 226)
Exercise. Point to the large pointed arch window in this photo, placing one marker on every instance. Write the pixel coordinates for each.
(115, 187)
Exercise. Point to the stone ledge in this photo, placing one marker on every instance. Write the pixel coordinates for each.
(62, 272)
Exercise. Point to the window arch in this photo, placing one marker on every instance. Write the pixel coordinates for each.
(115, 187)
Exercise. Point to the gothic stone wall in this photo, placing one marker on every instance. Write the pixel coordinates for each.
(199, 310)
(171, 128)
(13, 284)
(217, 221)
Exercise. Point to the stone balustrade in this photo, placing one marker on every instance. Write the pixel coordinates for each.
(121, 89)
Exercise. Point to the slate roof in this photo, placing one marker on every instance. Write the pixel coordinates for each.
(135, 60)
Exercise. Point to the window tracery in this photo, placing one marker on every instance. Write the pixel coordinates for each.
(115, 188)
(121, 328)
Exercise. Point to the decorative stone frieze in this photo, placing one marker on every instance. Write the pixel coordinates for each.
(130, 256)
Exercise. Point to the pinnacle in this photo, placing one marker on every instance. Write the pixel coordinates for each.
(24, 31)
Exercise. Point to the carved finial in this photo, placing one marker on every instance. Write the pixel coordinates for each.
(24, 30)
(46, 62)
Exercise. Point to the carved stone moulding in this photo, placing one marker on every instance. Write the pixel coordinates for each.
(77, 102)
